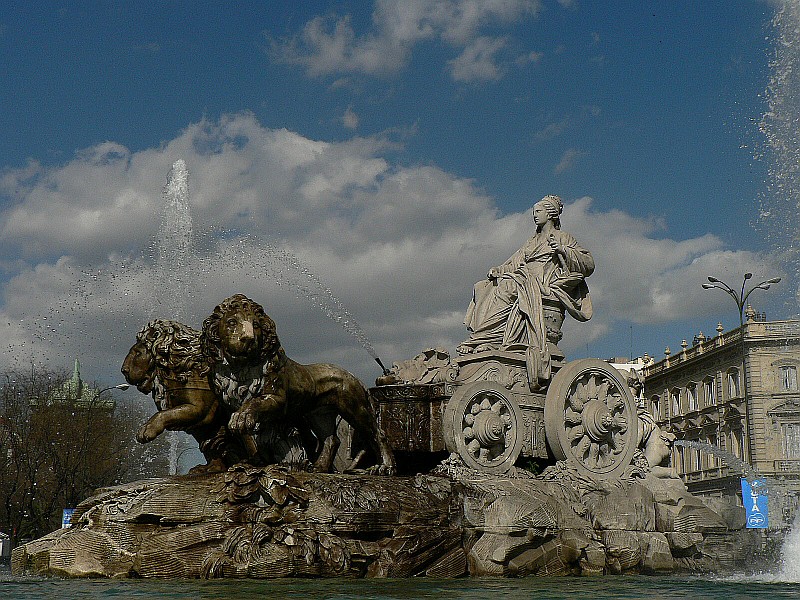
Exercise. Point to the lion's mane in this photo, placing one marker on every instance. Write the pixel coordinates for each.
(175, 348)
(210, 339)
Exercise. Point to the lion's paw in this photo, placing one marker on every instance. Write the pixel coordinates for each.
(146, 434)
(382, 470)
(243, 421)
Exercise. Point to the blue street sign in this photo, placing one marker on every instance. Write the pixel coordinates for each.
(66, 516)
(754, 496)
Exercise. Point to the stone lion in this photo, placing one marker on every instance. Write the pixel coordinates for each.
(166, 362)
(265, 389)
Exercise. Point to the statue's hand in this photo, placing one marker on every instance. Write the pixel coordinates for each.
(494, 273)
(555, 245)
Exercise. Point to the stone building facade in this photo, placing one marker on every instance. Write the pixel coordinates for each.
(738, 392)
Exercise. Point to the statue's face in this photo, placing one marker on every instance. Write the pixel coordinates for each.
(137, 368)
(240, 334)
(540, 216)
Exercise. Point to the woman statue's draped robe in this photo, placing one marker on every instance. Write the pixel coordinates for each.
(506, 313)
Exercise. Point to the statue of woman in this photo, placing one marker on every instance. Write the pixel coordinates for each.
(506, 312)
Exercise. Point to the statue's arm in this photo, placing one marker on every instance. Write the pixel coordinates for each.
(577, 259)
(516, 260)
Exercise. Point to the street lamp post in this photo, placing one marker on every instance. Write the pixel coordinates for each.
(741, 301)
(119, 386)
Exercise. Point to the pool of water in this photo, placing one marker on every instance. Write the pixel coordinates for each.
(638, 587)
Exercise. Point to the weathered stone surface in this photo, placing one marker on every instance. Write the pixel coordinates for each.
(632, 508)
(252, 522)
(267, 522)
(657, 555)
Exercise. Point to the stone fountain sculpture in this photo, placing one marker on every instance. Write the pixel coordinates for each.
(268, 504)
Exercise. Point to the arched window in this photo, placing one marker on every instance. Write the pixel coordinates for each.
(709, 391)
(655, 407)
(691, 396)
(737, 443)
(675, 397)
(734, 387)
(712, 441)
(679, 463)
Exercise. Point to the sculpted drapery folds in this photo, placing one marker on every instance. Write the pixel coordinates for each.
(548, 273)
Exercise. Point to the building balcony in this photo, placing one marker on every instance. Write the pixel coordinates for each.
(718, 472)
(787, 466)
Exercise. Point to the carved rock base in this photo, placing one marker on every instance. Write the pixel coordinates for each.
(267, 522)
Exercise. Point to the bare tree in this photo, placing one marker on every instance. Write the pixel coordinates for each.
(58, 445)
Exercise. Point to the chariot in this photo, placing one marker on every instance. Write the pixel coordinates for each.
(483, 407)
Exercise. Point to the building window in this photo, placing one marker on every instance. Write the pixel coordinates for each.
(789, 378)
(712, 459)
(679, 461)
(733, 384)
(655, 407)
(737, 443)
(698, 460)
(691, 396)
(791, 440)
(675, 395)
(709, 392)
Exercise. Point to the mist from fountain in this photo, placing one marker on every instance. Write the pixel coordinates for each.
(779, 125)
(172, 252)
(780, 204)
(780, 494)
(182, 270)
(733, 461)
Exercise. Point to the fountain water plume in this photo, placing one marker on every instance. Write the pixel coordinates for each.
(283, 268)
(732, 460)
(173, 246)
(173, 250)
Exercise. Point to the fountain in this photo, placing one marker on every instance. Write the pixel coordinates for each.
(268, 503)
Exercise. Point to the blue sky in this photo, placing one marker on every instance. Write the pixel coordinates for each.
(394, 148)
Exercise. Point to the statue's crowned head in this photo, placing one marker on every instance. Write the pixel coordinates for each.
(554, 207)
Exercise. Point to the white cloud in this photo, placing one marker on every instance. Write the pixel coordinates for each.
(350, 118)
(478, 61)
(329, 45)
(398, 247)
(568, 160)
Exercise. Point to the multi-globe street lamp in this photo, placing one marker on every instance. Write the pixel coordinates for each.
(741, 301)
(741, 297)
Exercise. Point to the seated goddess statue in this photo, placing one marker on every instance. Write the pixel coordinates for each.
(520, 306)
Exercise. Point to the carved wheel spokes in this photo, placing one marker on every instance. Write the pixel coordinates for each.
(485, 427)
(590, 417)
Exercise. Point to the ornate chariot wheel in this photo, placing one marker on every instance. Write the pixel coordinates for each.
(483, 424)
(590, 418)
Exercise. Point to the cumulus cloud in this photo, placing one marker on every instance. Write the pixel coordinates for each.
(347, 251)
(330, 45)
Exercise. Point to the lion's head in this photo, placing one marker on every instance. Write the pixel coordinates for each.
(166, 349)
(239, 332)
